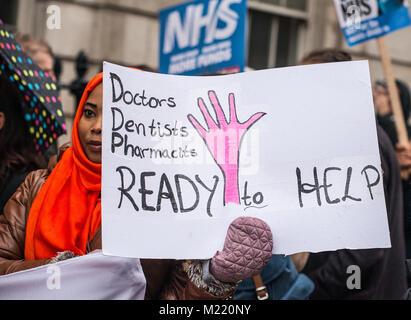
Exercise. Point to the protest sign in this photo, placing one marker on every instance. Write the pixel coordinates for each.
(184, 156)
(203, 37)
(369, 19)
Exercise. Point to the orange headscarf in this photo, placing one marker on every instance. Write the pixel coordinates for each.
(67, 210)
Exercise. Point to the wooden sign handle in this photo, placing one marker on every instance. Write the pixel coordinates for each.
(394, 97)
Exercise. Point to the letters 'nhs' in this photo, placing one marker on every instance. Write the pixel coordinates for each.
(186, 32)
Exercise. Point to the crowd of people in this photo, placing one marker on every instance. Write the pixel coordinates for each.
(50, 211)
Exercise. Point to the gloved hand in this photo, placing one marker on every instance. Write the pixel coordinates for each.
(247, 249)
(62, 255)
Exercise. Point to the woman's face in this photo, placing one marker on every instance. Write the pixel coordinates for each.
(90, 125)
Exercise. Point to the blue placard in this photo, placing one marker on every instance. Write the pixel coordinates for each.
(369, 19)
(203, 37)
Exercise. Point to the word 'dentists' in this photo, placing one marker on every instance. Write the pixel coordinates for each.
(186, 32)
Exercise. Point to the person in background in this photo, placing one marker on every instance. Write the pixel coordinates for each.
(56, 215)
(383, 108)
(382, 271)
(38, 50)
(385, 118)
(17, 153)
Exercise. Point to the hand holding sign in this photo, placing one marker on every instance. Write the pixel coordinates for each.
(226, 152)
(247, 249)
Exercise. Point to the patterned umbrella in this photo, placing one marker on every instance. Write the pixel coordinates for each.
(42, 108)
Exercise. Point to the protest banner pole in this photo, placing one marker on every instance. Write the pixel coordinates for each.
(394, 97)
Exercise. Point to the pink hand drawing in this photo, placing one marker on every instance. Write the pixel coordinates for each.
(223, 140)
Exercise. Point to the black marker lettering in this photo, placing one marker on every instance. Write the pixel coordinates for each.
(326, 186)
(258, 198)
(313, 187)
(177, 178)
(128, 101)
(246, 196)
(135, 102)
(115, 135)
(113, 77)
(125, 191)
(129, 126)
(212, 191)
(377, 180)
(171, 102)
(347, 187)
(144, 192)
(153, 103)
(115, 110)
(166, 195)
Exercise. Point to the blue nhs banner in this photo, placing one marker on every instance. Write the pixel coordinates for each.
(203, 37)
(363, 20)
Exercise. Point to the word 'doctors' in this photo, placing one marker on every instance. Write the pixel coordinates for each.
(184, 156)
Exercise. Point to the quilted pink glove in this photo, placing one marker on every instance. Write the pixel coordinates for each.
(247, 249)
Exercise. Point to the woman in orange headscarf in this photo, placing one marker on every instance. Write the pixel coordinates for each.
(67, 212)
(55, 215)
(56, 211)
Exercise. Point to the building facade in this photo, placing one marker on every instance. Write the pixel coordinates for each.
(126, 32)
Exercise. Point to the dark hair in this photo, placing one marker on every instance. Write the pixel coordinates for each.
(145, 67)
(326, 55)
(17, 153)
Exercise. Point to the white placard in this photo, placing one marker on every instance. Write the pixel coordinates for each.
(93, 276)
(184, 156)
